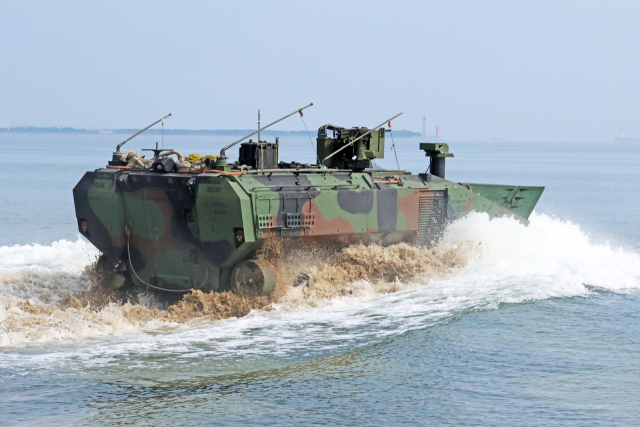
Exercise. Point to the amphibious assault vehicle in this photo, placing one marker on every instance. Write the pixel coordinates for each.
(172, 223)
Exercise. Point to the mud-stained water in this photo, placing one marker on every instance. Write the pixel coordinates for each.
(53, 293)
(60, 305)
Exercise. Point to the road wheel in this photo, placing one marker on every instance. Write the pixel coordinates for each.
(252, 278)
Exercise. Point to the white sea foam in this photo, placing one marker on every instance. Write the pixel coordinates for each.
(550, 258)
(63, 255)
(46, 273)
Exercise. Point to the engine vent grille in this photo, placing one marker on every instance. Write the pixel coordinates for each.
(431, 223)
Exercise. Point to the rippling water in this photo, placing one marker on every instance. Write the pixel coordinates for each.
(540, 327)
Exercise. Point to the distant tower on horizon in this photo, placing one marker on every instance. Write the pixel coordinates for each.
(621, 133)
(424, 125)
(437, 132)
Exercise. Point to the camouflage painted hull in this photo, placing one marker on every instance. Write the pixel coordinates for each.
(177, 231)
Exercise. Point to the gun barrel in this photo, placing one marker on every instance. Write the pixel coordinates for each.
(223, 151)
(138, 133)
(360, 137)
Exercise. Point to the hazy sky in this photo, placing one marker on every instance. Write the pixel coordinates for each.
(530, 71)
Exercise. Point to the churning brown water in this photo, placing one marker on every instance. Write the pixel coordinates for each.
(80, 306)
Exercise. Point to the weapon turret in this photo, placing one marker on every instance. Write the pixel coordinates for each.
(351, 148)
(358, 155)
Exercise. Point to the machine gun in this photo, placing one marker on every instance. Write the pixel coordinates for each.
(357, 146)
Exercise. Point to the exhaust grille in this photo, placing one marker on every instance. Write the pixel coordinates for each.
(431, 223)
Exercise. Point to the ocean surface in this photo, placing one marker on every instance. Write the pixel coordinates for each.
(540, 326)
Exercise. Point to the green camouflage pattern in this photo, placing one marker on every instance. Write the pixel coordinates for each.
(182, 231)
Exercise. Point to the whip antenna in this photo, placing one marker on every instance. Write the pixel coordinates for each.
(315, 150)
(224, 150)
(393, 145)
(138, 133)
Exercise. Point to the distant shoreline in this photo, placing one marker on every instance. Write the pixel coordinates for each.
(212, 132)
